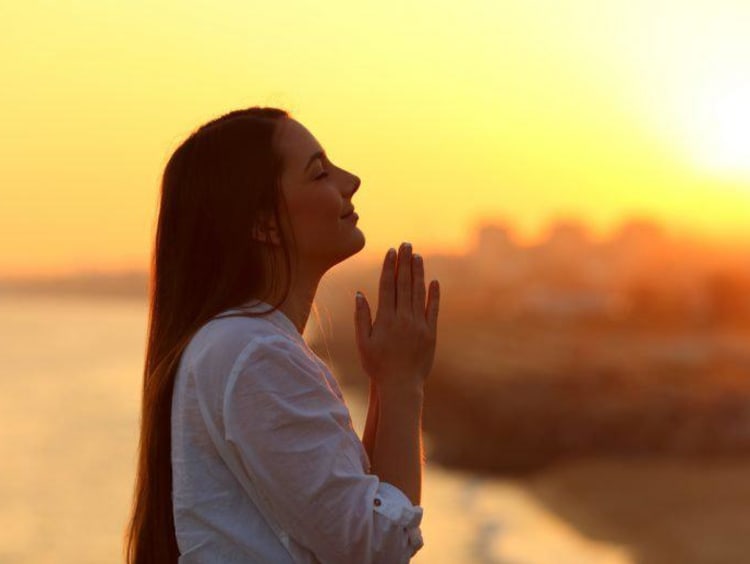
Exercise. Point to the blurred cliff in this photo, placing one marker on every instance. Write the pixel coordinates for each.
(636, 344)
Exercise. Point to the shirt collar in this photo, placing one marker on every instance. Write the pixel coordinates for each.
(277, 317)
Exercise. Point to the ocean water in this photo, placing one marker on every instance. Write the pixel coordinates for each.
(70, 377)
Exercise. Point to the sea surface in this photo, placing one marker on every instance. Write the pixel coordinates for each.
(70, 379)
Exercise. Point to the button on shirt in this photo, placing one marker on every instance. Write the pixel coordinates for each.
(266, 464)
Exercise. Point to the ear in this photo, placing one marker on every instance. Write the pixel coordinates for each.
(264, 228)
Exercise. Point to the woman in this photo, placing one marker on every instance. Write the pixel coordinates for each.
(247, 451)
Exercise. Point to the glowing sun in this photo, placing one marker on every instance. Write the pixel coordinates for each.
(720, 122)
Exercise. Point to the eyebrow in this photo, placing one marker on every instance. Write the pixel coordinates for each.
(315, 155)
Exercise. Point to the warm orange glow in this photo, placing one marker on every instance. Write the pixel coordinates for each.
(516, 110)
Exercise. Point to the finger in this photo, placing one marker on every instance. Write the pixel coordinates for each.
(387, 291)
(403, 279)
(362, 318)
(419, 292)
(433, 305)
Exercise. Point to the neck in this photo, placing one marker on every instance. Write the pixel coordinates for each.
(298, 303)
(296, 306)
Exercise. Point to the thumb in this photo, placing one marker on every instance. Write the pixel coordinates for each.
(362, 318)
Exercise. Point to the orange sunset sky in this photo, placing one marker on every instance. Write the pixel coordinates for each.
(450, 112)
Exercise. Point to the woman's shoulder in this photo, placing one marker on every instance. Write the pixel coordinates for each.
(220, 341)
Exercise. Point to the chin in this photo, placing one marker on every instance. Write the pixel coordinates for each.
(354, 246)
(361, 239)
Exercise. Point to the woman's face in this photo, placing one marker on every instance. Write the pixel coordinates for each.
(317, 193)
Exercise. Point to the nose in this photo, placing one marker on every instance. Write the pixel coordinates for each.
(357, 182)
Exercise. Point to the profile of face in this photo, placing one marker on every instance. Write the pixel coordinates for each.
(318, 194)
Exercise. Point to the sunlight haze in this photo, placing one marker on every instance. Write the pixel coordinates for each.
(449, 113)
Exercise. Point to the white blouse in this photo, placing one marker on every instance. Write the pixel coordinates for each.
(266, 464)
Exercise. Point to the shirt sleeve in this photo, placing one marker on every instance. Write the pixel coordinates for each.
(294, 439)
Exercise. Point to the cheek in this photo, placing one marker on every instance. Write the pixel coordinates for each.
(326, 205)
(314, 215)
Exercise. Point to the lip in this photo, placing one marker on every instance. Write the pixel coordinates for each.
(347, 216)
(352, 215)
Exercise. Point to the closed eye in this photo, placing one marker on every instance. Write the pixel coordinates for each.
(321, 175)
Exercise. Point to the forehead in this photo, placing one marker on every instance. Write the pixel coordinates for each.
(296, 143)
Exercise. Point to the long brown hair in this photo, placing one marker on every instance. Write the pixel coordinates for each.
(220, 182)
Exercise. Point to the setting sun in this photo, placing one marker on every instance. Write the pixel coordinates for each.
(596, 109)
(720, 123)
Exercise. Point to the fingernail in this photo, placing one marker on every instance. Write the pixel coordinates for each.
(391, 253)
(360, 298)
(417, 257)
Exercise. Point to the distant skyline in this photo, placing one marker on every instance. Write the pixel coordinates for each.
(451, 114)
(488, 239)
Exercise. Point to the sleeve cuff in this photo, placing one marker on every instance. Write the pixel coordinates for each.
(396, 506)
